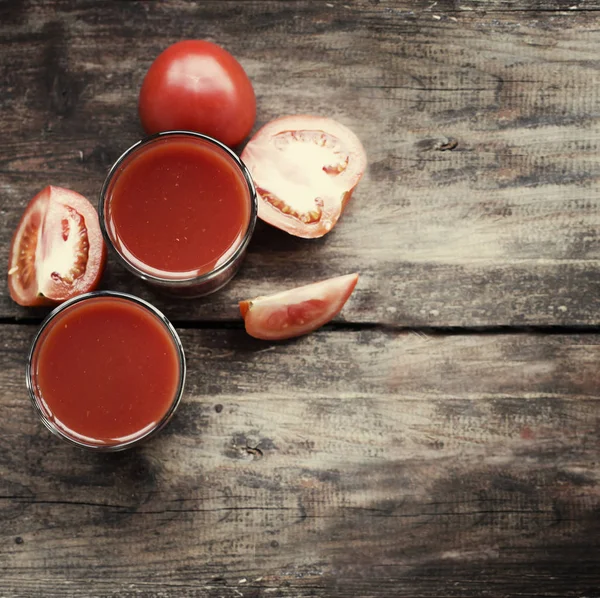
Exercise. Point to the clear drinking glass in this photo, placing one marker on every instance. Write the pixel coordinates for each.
(43, 409)
(192, 286)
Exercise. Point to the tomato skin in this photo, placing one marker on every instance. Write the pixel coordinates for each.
(297, 311)
(195, 85)
(55, 213)
(305, 169)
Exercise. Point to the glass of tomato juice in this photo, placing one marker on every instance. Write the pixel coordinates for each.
(106, 370)
(178, 208)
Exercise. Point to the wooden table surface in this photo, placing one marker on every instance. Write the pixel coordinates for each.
(441, 436)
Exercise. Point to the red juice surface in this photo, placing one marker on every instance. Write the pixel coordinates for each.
(179, 207)
(107, 371)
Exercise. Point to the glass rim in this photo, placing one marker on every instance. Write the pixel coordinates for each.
(207, 276)
(56, 430)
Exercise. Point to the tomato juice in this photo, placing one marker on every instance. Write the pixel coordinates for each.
(179, 209)
(106, 370)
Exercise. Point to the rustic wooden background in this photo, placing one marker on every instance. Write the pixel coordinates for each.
(441, 437)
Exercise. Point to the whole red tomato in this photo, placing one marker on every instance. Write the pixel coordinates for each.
(198, 86)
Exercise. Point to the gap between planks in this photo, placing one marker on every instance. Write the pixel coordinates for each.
(544, 329)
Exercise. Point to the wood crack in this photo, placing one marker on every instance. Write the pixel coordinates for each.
(375, 512)
(499, 329)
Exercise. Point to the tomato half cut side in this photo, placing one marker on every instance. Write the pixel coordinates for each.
(57, 251)
(305, 169)
(297, 311)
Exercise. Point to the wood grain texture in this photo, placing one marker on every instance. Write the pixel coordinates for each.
(414, 466)
(480, 205)
(358, 461)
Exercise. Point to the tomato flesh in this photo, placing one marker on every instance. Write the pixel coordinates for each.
(196, 85)
(297, 311)
(57, 250)
(305, 169)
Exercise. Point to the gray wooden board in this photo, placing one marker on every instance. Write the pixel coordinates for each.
(346, 463)
(357, 461)
(499, 230)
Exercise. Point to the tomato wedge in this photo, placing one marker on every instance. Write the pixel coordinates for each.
(305, 169)
(57, 251)
(297, 311)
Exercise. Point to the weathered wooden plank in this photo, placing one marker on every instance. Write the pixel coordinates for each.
(343, 464)
(480, 206)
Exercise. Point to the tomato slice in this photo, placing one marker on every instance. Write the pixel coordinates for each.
(305, 169)
(57, 251)
(297, 311)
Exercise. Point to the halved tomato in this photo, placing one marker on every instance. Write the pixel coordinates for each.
(57, 251)
(305, 169)
(297, 311)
